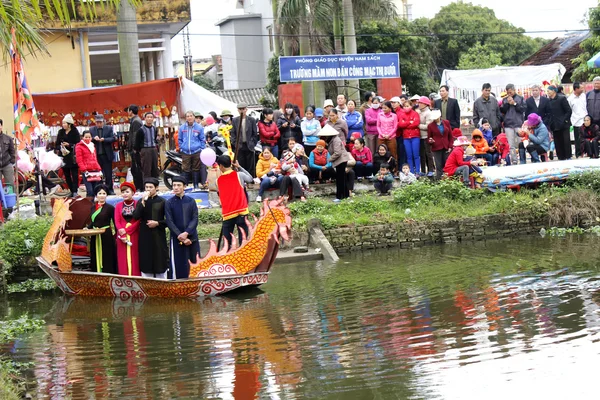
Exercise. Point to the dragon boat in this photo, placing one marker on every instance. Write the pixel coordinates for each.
(245, 265)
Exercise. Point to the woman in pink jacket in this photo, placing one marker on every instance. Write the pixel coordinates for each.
(387, 124)
(371, 116)
(408, 121)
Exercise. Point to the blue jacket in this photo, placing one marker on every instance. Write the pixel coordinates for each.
(355, 123)
(191, 139)
(487, 135)
(541, 137)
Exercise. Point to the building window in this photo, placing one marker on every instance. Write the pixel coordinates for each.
(270, 31)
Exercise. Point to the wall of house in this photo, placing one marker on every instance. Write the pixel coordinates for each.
(265, 9)
(61, 70)
(243, 65)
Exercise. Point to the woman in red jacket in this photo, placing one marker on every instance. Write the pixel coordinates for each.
(268, 131)
(455, 165)
(408, 121)
(440, 138)
(85, 152)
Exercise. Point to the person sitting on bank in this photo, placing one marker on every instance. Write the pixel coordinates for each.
(318, 162)
(181, 214)
(266, 171)
(406, 177)
(128, 229)
(481, 146)
(590, 135)
(456, 165)
(150, 211)
(102, 246)
(538, 139)
(234, 202)
(384, 180)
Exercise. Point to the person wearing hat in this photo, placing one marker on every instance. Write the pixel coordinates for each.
(211, 128)
(486, 106)
(320, 116)
(245, 126)
(102, 246)
(128, 230)
(539, 139)
(181, 213)
(560, 123)
(135, 124)
(103, 137)
(198, 117)
(439, 140)
(150, 212)
(318, 162)
(191, 142)
(448, 106)
(66, 140)
(456, 165)
(226, 117)
(338, 158)
(414, 100)
(327, 105)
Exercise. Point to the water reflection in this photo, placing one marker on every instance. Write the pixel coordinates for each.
(439, 322)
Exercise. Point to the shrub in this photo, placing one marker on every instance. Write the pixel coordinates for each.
(573, 208)
(22, 238)
(424, 192)
(586, 180)
(32, 285)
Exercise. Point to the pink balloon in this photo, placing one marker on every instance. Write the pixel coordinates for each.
(208, 157)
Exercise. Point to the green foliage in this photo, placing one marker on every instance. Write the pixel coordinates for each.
(586, 180)
(476, 22)
(205, 82)
(273, 81)
(21, 238)
(424, 192)
(479, 57)
(24, 325)
(9, 388)
(416, 52)
(32, 285)
(590, 47)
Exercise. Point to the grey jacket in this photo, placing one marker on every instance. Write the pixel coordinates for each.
(487, 109)
(337, 152)
(513, 114)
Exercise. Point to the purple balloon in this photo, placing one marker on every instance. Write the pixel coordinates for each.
(208, 157)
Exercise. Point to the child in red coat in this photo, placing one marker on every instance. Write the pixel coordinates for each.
(456, 165)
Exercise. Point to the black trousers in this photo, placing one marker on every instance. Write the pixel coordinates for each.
(440, 157)
(341, 188)
(72, 178)
(247, 160)
(562, 143)
(285, 184)
(328, 173)
(105, 161)
(136, 171)
(576, 130)
(383, 187)
(229, 226)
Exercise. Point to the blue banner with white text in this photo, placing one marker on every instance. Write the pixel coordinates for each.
(339, 66)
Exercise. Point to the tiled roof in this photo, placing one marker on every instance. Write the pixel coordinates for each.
(560, 50)
(249, 96)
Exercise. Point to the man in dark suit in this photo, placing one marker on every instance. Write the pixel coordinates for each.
(449, 107)
(247, 141)
(104, 136)
(135, 124)
(560, 122)
(539, 105)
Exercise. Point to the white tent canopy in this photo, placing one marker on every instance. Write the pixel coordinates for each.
(195, 97)
(465, 85)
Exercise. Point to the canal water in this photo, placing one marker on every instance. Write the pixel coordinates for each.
(496, 320)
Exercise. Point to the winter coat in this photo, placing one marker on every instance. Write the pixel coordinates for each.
(72, 138)
(371, 117)
(513, 114)
(540, 135)
(387, 124)
(501, 145)
(386, 158)
(489, 109)
(355, 123)
(288, 132)
(364, 156)
(589, 132)
(7, 150)
(191, 138)
(268, 133)
(441, 141)
(310, 130)
(560, 113)
(409, 122)
(424, 121)
(341, 126)
(593, 104)
(455, 160)
(481, 146)
(264, 166)
(86, 159)
(487, 135)
(318, 160)
(338, 152)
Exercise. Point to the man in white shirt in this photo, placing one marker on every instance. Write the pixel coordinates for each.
(341, 106)
(578, 102)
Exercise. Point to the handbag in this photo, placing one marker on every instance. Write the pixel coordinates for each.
(93, 176)
(351, 160)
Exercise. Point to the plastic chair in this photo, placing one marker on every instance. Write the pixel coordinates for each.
(2, 202)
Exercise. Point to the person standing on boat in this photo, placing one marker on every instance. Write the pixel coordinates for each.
(128, 229)
(234, 202)
(102, 247)
(150, 211)
(182, 219)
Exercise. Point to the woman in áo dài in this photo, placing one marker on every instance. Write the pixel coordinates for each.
(128, 231)
(102, 247)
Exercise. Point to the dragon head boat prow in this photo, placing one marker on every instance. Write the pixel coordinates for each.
(258, 250)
